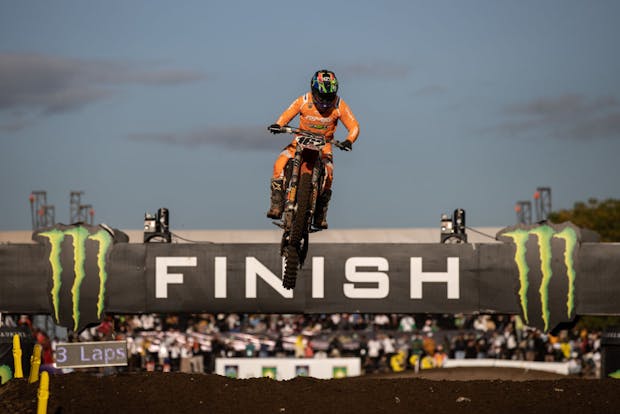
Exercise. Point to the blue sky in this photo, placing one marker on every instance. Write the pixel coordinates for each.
(149, 104)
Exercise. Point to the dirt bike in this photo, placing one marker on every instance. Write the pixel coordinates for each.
(304, 178)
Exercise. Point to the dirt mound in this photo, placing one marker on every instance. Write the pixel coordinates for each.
(475, 373)
(194, 393)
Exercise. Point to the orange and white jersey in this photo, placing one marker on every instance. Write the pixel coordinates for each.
(310, 119)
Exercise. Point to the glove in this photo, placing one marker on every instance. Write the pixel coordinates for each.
(346, 145)
(274, 129)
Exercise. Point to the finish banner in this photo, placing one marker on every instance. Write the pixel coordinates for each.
(546, 273)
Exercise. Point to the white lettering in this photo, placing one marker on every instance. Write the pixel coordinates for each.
(82, 356)
(381, 279)
(254, 268)
(220, 277)
(318, 119)
(163, 278)
(318, 277)
(97, 354)
(109, 355)
(451, 277)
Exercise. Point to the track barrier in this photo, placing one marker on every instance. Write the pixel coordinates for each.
(35, 364)
(43, 393)
(17, 357)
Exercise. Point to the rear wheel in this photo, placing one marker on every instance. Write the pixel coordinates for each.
(298, 230)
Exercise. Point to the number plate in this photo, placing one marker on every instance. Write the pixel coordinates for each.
(311, 141)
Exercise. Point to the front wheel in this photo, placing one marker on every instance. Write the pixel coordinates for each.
(293, 250)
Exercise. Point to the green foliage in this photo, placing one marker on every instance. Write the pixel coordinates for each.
(602, 217)
(598, 323)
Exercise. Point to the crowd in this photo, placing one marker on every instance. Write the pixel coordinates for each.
(384, 342)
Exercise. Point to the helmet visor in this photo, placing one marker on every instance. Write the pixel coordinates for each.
(324, 99)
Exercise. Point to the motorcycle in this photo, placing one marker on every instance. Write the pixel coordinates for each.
(304, 178)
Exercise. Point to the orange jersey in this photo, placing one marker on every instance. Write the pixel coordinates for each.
(310, 119)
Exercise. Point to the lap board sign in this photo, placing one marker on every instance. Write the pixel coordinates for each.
(91, 354)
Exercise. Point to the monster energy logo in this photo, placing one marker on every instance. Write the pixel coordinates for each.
(79, 236)
(544, 235)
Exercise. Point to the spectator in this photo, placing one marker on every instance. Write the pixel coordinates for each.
(428, 326)
(334, 335)
(398, 362)
(175, 356)
(388, 346)
(250, 349)
(439, 357)
(407, 324)
(459, 346)
(470, 347)
(147, 321)
(374, 353)
(300, 347)
(308, 351)
(428, 344)
(186, 358)
(163, 354)
(381, 321)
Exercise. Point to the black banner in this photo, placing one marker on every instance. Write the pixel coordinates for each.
(545, 273)
(77, 273)
(610, 359)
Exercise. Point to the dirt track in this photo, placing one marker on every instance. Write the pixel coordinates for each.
(511, 391)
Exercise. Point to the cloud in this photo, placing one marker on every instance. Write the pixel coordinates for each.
(569, 116)
(14, 125)
(430, 90)
(377, 69)
(255, 138)
(47, 84)
(17, 120)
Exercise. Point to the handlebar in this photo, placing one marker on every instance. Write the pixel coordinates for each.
(296, 131)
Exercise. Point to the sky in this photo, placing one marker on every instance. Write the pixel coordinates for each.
(149, 104)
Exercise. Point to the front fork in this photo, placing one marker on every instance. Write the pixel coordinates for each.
(291, 191)
(318, 180)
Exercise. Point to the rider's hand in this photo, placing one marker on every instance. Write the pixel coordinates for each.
(346, 145)
(274, 129)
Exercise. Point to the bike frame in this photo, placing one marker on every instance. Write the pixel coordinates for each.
(306, 160)
(297, 221)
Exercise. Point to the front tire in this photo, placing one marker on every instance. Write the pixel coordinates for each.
(292, 251)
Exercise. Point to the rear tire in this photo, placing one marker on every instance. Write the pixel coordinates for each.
(298, 230)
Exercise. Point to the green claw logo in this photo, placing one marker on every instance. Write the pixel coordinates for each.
(545, 236)
(6, 374)
(79, 236)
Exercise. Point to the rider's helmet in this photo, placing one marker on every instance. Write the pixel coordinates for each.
(324, 86)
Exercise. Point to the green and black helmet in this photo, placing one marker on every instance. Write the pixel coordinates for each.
(324, 86)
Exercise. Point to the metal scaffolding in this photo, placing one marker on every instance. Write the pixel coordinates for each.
(524, 212)
(542, 198)
(78, 212)
(42, 214)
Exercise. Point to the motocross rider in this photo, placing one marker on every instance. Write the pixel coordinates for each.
(319, 111)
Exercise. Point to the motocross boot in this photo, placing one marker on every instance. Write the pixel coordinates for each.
(320, 216)
(277, 199)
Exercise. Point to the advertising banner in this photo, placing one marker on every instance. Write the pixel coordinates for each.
(288, 368)
(546, 273)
